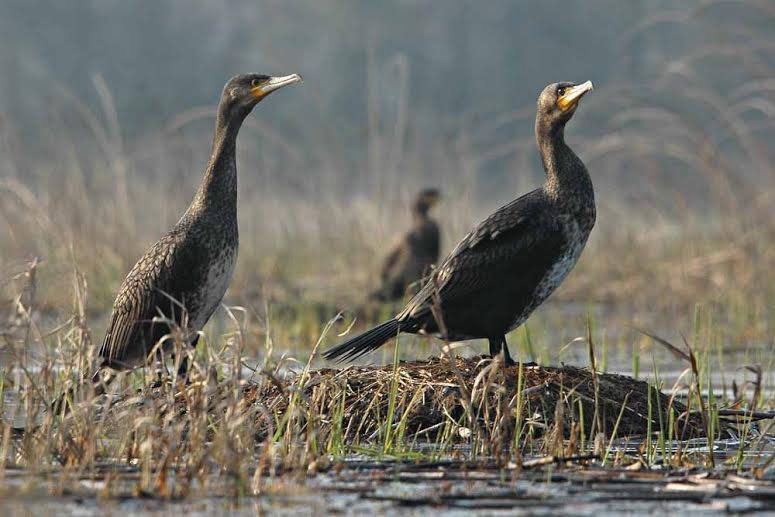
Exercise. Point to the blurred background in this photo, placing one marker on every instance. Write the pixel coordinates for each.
(107, 108)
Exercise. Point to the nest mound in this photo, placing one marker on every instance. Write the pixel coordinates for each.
(459, 396)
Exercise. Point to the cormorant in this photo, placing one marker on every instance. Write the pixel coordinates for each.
(512, 261)
(411, 259)
(183, 277)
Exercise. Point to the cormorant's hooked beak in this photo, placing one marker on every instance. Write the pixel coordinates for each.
(572, 95)
(272, 84)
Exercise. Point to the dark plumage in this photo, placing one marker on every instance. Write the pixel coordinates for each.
(512, 261)
(411, 259)
(183, 277)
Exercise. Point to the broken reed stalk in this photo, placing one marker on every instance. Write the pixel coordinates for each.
(465, 396)
(709, 421)
(597, 426)
(616, 428)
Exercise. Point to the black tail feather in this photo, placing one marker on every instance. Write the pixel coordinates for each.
(364, 343)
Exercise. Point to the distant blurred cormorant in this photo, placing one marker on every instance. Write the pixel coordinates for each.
(413, 256)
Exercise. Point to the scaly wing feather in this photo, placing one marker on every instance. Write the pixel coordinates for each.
(146, 290)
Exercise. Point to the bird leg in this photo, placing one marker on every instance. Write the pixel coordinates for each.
(183, 368)
(498, 345)
(159, 368)
(102, 382)
(99, 383)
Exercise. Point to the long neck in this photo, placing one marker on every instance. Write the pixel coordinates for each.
(419, 213)
(566, 174)
(218, 189)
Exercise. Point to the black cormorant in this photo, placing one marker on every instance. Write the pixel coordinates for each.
(512, 261)
(183, 277)
(411, 259)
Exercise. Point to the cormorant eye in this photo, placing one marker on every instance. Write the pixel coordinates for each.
(255, 82)
(560, 91)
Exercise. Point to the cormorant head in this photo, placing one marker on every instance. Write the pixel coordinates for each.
(558, 102)
(243, 92)
(426, 199)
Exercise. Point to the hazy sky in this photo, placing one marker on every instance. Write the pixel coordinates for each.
(158, 58)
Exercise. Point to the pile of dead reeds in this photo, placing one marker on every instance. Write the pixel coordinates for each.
(444, 399)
